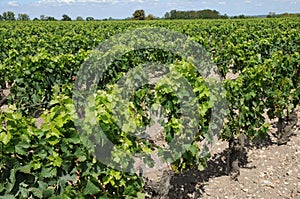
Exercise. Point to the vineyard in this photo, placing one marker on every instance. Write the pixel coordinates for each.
(42, 153)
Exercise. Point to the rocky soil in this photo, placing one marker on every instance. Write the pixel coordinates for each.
(271, 171)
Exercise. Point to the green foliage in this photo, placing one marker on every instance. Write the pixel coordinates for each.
(23, 17)
(66, 18)
(199, 14)
(8, 16)
(139, 15)
(53, 161)
(90, 19)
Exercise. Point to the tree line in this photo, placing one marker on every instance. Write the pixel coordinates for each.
(10, 16)
(141, 15)
(192, 14)
(274, 15)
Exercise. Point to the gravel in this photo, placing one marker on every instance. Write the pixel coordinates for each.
(272, 171)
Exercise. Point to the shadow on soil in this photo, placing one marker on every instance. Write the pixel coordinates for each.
(192, 181)
(190, 184)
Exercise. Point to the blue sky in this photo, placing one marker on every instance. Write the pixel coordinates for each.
(121, 9)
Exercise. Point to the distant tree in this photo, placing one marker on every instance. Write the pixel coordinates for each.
(150, 17)
(51, 18)
(23, 17)
(1, 17)
(173, 14)
(90, 19)
(36, 19)
(43, 17)
(66, 18)
(79, 18)
(271, 15)
(47, 18)
(139, 15)
(244, 17)
(288, 15)
(200, 14)
(225, 16)
(4, 16)
(9, 16)
(167, 15)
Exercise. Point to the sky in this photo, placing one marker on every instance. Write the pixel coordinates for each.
(120, 9)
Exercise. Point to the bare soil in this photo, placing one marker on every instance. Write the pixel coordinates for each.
(271, 171)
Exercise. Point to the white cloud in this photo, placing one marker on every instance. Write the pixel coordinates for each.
(68, 1)
(97, 1)
(13, 3)
(73, 2)
(288, 1)
(90, 1)
(222, 2)
(155, 2)
(248, 1)
(56, 1)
